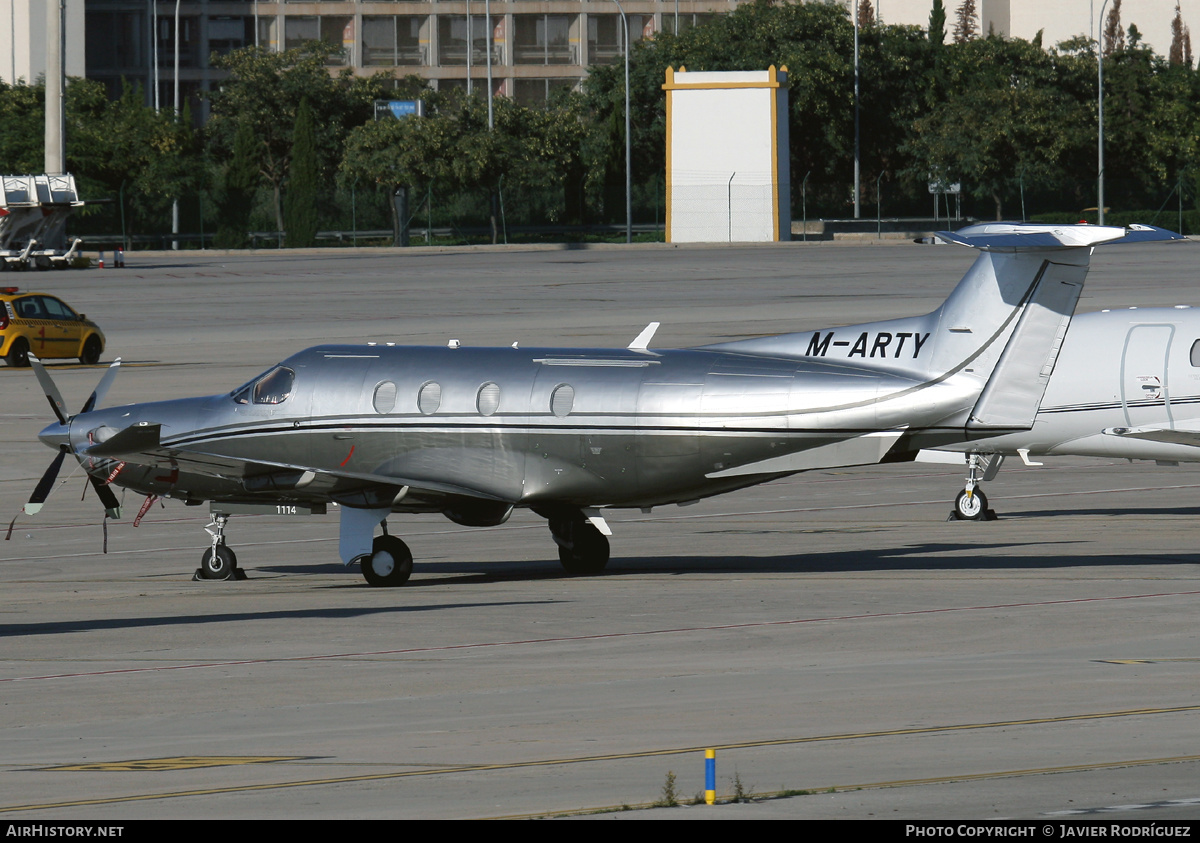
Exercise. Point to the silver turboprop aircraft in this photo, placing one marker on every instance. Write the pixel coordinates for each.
(473, 433)
(1126, 385)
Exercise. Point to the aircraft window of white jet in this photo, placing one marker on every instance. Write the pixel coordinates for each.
(275, 386)
(385, 397)
(562, 399)
(488, 399)
(429, 398)
(1196, 353)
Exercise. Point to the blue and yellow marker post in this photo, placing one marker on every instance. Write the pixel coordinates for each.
(710, 776)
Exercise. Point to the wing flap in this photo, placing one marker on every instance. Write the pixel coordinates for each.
(868, 449)
(1151, 434)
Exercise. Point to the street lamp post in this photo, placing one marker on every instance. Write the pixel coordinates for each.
(175, 202)
(487, 45)
(628, 155)
(1100, 114)
(857, 192)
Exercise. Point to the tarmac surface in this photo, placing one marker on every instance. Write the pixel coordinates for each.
(829, 633)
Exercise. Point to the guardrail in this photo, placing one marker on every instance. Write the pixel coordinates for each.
(275, 239)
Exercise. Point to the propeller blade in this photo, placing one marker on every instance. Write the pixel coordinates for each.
(112, 507)
(102, 388)
(42, 490)
(48, 387)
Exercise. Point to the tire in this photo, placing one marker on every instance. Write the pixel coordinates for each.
(92, 348)
(588, 551)
(390, 563)
(219, 566)
(18, 353)
(973, 508)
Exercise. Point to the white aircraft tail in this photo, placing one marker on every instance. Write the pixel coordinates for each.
(1022, 292)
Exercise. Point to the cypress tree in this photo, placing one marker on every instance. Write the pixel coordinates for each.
(237, 200)
(937, 24)
(300, 201)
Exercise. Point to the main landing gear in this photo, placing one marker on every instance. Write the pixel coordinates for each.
(582, 548)
(219, 562)
(390, 562)
(971, 504)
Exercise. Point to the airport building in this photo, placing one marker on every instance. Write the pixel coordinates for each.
(535, 46)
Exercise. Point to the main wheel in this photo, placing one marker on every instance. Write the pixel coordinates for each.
(218, 566)
(582, 549)
(18, 353)
(972, 507)
(91, 351)
(390, 562)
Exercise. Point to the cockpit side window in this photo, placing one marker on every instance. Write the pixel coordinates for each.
(1195, 356)
(274, 387)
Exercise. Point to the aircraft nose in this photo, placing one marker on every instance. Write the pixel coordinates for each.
(56, 435)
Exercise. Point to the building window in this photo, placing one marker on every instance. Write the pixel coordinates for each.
(227, 33)
(452, 41)
(544, 39)
(337, 30)
(393, 40)
(604, 39)
(535, 93)
(115, 41)
(189, 41)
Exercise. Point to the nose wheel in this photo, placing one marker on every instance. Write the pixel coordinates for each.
(219, 562)
(971, 504)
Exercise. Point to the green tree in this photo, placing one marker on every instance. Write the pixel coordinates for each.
(300, 202)
(236, 195)
(937, 24)
(965, 27)
(1000, 122)
(412, 152)
(22, 127)
(265, 89)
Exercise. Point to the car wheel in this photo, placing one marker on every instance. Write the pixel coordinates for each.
(18, 353)
(91, 350)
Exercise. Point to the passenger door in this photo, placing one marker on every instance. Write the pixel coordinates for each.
(1145, 391)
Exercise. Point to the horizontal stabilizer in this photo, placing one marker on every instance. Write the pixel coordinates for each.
(1150, 434)
(1015, 237)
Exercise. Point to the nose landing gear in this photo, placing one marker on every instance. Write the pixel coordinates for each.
(219, 562)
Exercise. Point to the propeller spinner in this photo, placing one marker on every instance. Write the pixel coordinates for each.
(59, 436)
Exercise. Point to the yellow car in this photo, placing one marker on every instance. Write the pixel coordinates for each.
(47, 327)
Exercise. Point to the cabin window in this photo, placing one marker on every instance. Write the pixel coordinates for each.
(488, 399)
(562, 399)
(275, 386)
(1196, 353)
(385, 397)
(429, 398)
